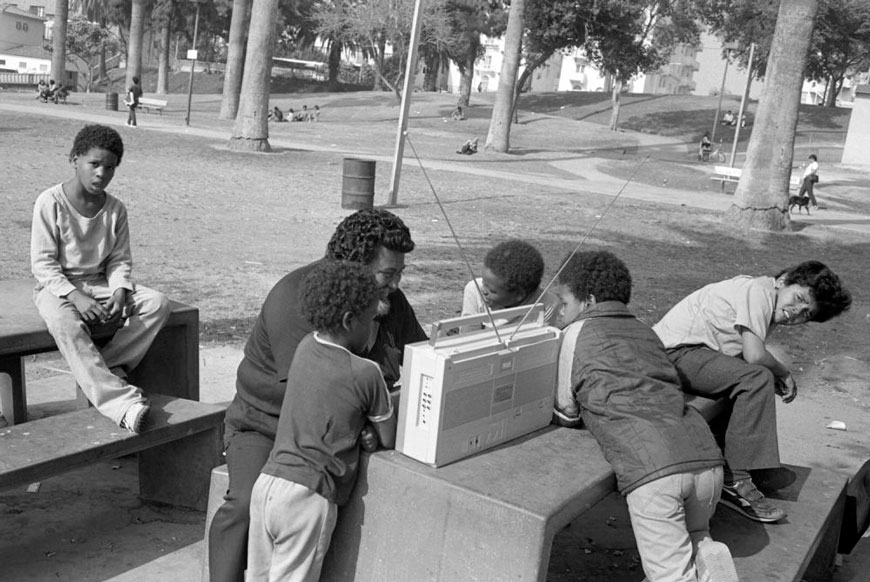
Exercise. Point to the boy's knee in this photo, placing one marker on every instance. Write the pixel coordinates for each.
(156, 303)
(758, 377)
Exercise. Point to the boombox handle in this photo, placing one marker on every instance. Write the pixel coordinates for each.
(445, 325)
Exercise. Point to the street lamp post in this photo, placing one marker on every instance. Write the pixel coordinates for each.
(742, 111)
(191, 54)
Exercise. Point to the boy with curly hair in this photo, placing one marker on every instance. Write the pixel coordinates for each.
(331, 394)
(512, 273)
(614, 374)
(715, 338)
(80, 256)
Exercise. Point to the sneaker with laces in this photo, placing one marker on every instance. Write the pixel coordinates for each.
(743, 497)
(134, 417)
(714, 563)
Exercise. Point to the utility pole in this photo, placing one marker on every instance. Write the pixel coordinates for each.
(408, 89)
(742, 105)
(191, 54)
(729, 46)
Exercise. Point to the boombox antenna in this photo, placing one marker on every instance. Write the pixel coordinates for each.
(598, 219)
(582, 240)
(455, 238)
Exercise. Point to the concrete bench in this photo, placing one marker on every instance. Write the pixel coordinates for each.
(171, 366)
(149, 104)
(181, 444)
(489, 517)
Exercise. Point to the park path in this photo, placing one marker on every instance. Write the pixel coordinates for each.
(588, 179)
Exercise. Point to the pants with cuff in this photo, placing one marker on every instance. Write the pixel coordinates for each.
(750, 440)
(90, 366)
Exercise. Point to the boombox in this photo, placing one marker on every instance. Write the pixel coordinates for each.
(467, 392)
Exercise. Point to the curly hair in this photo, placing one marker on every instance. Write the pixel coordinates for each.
(597, 273)
(832, 298)
(333, 288)
(97, 136)
(518, 263)
(359, 235)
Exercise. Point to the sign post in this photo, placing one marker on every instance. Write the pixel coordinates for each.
(192, 54)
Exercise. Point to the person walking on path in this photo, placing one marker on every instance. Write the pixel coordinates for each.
(134, 92)
(811, 176)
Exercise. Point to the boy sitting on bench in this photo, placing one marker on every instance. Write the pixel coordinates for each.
(615, 374)
(715, 339)
(80, 256)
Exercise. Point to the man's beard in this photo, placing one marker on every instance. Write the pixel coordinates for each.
(383, 306)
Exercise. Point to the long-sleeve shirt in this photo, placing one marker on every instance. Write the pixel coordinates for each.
(64, 245)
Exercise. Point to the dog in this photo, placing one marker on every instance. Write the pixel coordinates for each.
(800, 202)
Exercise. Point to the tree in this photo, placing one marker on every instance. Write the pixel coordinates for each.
(86, 41)
(134, 43)
(468, 20)
(761, 199)
(498, 137)
(627, 37)
(58, 41)
(163, 19)
(251, 130)
(235, 58)
(841, 44)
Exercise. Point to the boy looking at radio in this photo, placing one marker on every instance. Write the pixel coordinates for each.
(512, 272)
(331, 393)
(715, 339)
(80, 256)
(615, 376)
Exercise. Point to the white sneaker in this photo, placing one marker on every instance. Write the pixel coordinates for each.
(134, 417)
(714, 563)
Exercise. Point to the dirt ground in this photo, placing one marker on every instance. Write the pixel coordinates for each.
(216, 229)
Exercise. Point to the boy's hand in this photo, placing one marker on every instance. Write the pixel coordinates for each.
(116, 306)
(786, 388)
(89, 308)
(369, 439)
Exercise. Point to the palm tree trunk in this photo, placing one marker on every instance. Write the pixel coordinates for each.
(134, 44)
(251, 131)
(761, 199)
(165, 41)
(615, 103)
(58, 41)
(235, 59)
(334, 62)
(500, 124)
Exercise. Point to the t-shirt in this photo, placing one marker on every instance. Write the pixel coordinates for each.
(277, 332)
(812, 169)
(473, 304)
(66, 245)
(330, 394)
(133, 94)
(711, 315)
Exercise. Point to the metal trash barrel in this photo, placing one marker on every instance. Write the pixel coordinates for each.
(358, 184)
(112, 101)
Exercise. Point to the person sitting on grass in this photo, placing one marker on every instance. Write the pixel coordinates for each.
(614, 374)
(457, 114)
(80, 256)
(276, 115)
(715, 338)
(468, 148)
(512, 273)
(333, 396)
(42, 91)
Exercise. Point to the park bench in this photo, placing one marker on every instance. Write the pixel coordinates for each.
(493, 516)
(726, 174)
(149, 103)
(170, 367)
(181, 443)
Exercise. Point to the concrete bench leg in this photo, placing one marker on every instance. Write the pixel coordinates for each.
(177, 473)
(13, 390)
(220, 481)
(171, 366)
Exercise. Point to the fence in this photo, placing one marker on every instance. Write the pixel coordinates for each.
(28, 81)
(827, 145)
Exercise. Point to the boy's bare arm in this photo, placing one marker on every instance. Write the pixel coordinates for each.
(386, 432)
(755, 352)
